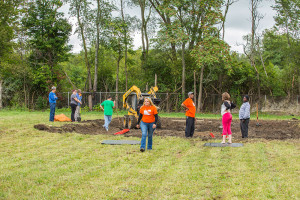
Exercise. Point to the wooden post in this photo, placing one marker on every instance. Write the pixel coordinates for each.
(167, 102)
(195, 89)
(155, 80)
(68, 99)
(1, 93)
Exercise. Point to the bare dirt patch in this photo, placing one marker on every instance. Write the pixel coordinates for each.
(268, 129)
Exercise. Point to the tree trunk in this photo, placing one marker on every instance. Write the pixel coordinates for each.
(199, 108)
(90, 102)
(117, 83)
(126, 45)
(142, 6)
(117, 76)
(97, 47)
(183, 71)
(1, 105)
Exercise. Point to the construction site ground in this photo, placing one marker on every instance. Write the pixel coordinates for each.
(267, 129)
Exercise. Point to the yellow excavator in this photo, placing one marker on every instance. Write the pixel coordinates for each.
(133, 99)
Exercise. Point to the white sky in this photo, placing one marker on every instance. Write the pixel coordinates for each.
(237, 24)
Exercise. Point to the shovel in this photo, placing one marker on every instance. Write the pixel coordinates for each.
(257, 124)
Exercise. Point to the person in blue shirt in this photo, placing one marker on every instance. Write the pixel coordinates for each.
(52, 102)
(77, 111)
(244, 116)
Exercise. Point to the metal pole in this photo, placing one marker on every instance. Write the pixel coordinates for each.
(68, 99)
(100, 97)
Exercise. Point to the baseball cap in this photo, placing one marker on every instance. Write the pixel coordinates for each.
(190, 93)
(53, 88)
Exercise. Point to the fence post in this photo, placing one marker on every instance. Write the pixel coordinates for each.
(68, 99)
(167, 102)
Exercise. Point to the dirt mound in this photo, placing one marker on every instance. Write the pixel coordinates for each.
(268, 129)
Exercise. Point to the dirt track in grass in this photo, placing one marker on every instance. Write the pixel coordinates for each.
(268, 129)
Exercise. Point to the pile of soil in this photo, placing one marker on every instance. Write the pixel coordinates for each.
(268, 129)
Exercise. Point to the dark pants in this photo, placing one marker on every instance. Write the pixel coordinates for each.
(190, 127)
(52, 111)
(244, 127)
(73, 107)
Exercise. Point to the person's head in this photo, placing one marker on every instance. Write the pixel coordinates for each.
(191, 95)
(53, 89)
(109, 98)
(74, 91)
(79, 91)
(246, 98)
(225, 96)
(148, 102)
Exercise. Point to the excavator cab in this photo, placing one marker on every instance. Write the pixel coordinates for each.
(133, 99)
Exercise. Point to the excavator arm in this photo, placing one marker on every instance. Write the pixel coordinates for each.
(133, 89)
(153, 91)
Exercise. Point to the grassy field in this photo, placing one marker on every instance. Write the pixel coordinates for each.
(42, 165)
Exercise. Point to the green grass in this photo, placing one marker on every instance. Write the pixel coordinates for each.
(42, 165)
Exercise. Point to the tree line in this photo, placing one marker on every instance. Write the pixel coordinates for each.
(182, 42)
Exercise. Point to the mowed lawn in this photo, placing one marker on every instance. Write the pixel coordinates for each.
(41, 165)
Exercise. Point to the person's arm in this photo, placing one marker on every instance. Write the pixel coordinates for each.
(246, 111)
(243, 110)
(114, 104)
(51, 97)
(185, 107)
(77, 100)
(101, 106)
(232, 106)
(156, 119)
(227, 105)
(139, 120)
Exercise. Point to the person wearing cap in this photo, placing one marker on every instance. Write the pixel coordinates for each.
(244, 116)
(77, 111)
(52, 102)
(190, 112)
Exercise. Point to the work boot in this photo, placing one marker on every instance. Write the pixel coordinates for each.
(142, 149)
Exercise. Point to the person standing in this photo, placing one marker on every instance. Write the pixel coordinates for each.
(244, 116)
(77, 111)
(74, 103)
(148, 117)
(226, 117)
(190, 112)
(108, 111)
(52, 102)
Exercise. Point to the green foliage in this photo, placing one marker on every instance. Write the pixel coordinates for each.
(48, 35)
(41, 103)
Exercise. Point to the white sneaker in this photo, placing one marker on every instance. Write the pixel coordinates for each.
(106, 129)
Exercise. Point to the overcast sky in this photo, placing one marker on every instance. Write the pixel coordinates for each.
(237, 24)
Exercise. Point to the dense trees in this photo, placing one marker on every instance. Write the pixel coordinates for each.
(182, 42)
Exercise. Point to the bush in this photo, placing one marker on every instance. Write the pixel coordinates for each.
(41, 103)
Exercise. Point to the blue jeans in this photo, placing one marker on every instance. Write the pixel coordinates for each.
(52, 111)
(107, 119)
(146, 128)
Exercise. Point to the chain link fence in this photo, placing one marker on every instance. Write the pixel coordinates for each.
(171, 102)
